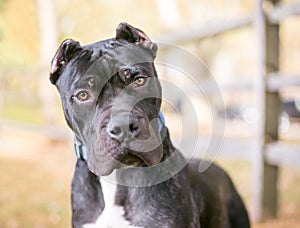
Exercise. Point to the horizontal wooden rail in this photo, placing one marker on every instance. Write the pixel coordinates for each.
(280, 154)
(277, 81)
(216, 28)
(51, 132)
(281, 12)
(211, 29)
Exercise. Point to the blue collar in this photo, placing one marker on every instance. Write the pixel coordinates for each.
(80, 149)
(161, 121)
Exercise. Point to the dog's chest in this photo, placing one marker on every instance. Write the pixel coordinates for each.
(112, 215)
(109, 191)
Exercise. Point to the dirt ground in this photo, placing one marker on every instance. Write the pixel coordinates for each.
(36, 173)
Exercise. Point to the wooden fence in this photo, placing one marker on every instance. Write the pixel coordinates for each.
(269, 152)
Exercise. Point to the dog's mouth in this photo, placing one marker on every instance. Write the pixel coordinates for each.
(139, 159)
(132, 160)
(151, 158)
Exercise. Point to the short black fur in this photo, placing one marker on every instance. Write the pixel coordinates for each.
(187, 199)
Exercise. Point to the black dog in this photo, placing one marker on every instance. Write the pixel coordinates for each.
(111, 100)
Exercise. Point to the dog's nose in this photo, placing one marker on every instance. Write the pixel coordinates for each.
(120, 129)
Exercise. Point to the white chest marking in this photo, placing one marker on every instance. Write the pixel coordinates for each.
(112, 215)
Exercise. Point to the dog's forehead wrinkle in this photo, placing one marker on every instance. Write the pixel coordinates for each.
(102, 44)
(128, 54)
(70, 77)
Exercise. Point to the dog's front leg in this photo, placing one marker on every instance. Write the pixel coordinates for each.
(87, 198)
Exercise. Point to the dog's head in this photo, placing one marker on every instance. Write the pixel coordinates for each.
(111, 98)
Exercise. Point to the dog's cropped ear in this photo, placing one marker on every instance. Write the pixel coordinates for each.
(63, 55)
(134, 35)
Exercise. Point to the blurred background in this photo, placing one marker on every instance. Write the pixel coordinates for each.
(251, 48)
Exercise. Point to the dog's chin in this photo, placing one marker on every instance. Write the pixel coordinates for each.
(126, 159)
(102, 170)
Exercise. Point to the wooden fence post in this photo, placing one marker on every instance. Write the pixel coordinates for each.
(273, 106)
(268, 105)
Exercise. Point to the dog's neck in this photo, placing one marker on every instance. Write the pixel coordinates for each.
(117, 197)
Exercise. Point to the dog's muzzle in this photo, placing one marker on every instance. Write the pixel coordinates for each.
(118, 131)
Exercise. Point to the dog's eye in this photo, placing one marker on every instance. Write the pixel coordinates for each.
(82, 95)
(140, 80)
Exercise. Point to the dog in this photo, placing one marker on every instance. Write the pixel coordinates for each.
(111, 99)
